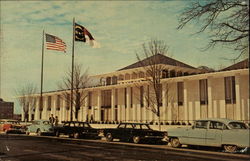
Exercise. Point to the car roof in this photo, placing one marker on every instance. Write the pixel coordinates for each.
(223, 120)
(74, 122)
(40, 120)
(8, 120)
(136, 123)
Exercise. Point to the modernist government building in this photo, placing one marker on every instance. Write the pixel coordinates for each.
(187, 93)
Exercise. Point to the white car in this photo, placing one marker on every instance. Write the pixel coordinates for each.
(40, 127)
(226, 133)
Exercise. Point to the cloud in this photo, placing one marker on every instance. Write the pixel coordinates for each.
(119, 26)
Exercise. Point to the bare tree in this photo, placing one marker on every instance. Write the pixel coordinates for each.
(26, 99)
(80, 81)
(227, 21)
(149, 60)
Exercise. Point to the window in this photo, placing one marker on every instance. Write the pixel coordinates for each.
(201, 124)
(216, 125)
(125, 97)
(237, 125)
(106, 98)
(129, 126)
(172, 73)
(203, 92)
(230, 96)
(141, 96)
(131, 97)
(90, 99)
(108, 81)
(114, 80)
(68, 101)
(121, 126)
(116, 97)
(164, 74)
(58, 103)
(180, 93)
(160, 94)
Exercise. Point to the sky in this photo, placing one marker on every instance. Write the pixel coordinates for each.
(120, 27)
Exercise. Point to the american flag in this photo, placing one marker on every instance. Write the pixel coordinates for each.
(55, 43)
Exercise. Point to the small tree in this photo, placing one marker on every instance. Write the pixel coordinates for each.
(149, 60)
(80, 81)
(26, 99)
(227, 21)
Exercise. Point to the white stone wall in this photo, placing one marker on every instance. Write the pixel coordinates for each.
(170, 111)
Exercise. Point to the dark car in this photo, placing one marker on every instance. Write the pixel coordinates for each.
(136, 132)
(76, 129)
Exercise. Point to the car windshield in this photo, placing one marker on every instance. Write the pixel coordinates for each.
(237, 125)
(145, 127)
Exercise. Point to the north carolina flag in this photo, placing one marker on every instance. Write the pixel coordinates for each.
(82, 34)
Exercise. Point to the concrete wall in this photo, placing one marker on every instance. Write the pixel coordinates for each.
(170, 112)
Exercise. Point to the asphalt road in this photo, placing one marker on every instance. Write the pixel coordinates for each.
(32, 148)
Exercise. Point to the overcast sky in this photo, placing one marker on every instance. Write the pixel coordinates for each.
(119, 27)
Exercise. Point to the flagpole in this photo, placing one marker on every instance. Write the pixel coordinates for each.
(72, 73)
(41, 93)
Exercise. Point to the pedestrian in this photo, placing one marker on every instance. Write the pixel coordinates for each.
(56, 121)
(51, 119)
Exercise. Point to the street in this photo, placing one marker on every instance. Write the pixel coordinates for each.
(33, 148)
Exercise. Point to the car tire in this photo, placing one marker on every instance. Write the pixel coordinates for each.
(57, 134)
(38, 132)
(109, 137)
(76, 135)
(230, 148)
(136, 139)
(175, 142)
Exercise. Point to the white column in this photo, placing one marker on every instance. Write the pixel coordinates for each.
(238, 97)
(119, 113)
(22, 114)
(44, 113)
(163, 111)
(53, 106)
(95, 117)
(86, 108)
(222, 108)
(139, 116)
(215, 109)
(113, 105)
(134, 111)
(30, 113)
(185, 104)
(191, 111)
(98, 105)
(197, 110)
(37, 109)
(63, 111)
(210, 101)
(128, 103)
(145, 110)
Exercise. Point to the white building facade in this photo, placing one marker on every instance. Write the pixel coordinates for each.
(187, 94)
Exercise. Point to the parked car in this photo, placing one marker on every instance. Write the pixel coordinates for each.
(76, 129)
(11, 126)
(40, 127)
(136, 132)
(226, 133)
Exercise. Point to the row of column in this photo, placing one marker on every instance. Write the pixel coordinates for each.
(191, 109)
